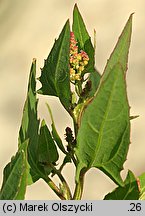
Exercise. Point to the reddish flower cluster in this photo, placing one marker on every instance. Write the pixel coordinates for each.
(78, 60)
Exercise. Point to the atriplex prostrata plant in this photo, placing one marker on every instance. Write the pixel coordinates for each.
(99, 108)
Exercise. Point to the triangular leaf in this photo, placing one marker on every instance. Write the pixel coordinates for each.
(141, 184)
(83, 38)
(55, 134)
(47, 151)
(29, 128)
(30, 124)
(128, 192)
(79, 28)
(121, 50)
(55, 73)
(57, 138)
(103, 136)
(14, 183)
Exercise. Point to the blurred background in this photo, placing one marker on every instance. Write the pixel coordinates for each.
(28, 29)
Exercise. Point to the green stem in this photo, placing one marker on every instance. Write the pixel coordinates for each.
(75, 126)
(67, 192)
(74, 159)
(56, 190)
(79, 188)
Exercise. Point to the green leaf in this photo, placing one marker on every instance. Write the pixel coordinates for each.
(55, 134)
(83, 38)
(79, 28)
(30, 124)
(55, 73)
(141, 181)
(29, 129)
(128, 192)
(103, 136)
(14, 183)
(47, 151)
(57, 139)
(121, 50)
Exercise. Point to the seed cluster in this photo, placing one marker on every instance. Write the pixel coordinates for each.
(78, 60)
